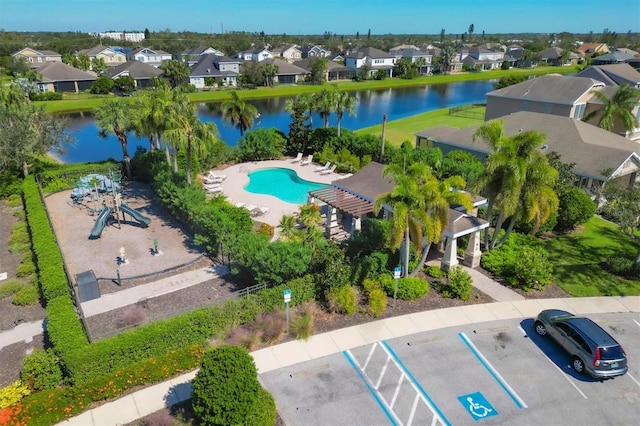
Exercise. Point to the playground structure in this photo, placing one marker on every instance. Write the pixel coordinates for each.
(101, 195)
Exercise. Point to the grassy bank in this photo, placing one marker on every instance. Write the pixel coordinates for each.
(72, 102)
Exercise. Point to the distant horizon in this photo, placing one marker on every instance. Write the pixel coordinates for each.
(381, 17)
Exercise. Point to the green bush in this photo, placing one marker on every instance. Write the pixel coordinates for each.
(459, 284)
(435, 271)
(13, 393)
(261, 144)
(45, 96)
(226, 388)
(41, 370)
(302, 323)
(263, 412)
(621, 266)
(19, 238)
(409, 288)
(26, 269)
(10, 287)
(575, 208)
(343, 300)
(26, 296)
(377, 302)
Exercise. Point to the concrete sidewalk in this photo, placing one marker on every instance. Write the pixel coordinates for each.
(21, 333)
(154, 398)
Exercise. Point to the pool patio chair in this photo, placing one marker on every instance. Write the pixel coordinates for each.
(323, 168)
(213, 189)
(307, 161)
(239, 204)
(261, 211)
(212, 186)
(298, 158)
(210, 180)
(328, 171)
(214, 176)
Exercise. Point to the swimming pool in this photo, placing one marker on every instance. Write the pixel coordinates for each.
(284, 184)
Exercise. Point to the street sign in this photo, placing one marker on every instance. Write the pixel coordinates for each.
(287, 295)
(397, 272)
(477, 405)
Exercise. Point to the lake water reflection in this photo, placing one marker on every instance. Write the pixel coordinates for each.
(372, 104)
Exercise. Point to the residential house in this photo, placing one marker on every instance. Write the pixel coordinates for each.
(193, 55)
(599, 156)
(215, 70)
(454, 66)
(255, 54)
(110, 56)
(480, 58)
(413, 54)
(556, 56)
(397, 51)
(314, 51)
(549, 94)
(591, 48)
(289, 53)
(142, 73)
(287, 73)
(36, 58)
(59, 77)
(335, 71)
(149, 56)
(615, 57)
(349, 201)
(372, 58)
(613, 75)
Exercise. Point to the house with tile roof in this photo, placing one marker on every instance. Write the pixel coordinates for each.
(599, 156)
(591, 48)
(37, 58)
(215, 70)
(142, 73)
(374, 59)
(153, 57)
(110, 56)
(192, 56)
(60, 77)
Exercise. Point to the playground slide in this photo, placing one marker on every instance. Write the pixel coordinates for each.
(101, 222)
(143, 220)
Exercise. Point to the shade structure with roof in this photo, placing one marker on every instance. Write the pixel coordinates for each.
(350, 200)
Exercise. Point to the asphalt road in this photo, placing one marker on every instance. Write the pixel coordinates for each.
(499, 372)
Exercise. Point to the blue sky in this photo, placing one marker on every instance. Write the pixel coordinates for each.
(315, 17)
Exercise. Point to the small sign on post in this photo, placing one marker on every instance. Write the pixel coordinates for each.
(397, 272)
(287, 299)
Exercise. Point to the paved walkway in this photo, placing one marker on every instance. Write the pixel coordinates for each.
(21, 333)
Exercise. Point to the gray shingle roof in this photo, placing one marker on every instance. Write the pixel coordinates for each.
(59, 71)
(209, 66)
(592, 149)
(371, 52)
(285, 68)
(94, 50)
(613, 74)
(554, 88)
(136, 69)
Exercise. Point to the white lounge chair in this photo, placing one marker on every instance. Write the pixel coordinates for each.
(307, 161)
(210, 180)
(213, 189)
(214, 176)
(323, 168)
(239, 204)
(211, 186)
(262, 211)
(298, 158)
(328, 171)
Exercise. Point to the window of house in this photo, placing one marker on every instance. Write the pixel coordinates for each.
(525, 105)
(578, 111)
(548, 107)
(39, 59)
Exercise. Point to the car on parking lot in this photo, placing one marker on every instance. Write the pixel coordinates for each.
(591, 348)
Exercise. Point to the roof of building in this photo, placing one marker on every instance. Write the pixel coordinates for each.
(592, 47)
(285, 68)
(591, 149)
(209, 66)
(613, 74)
(307, 63)
(555, 88)
(95, 50)
(136, 69)
(615, 57)
(154, 51)
(370, 52)
(59, 71)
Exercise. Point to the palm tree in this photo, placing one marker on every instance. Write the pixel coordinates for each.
(185, 130)
(447, 54)
(620, 106)
(270, 71)
(538, 199)
(324, 103)
(114, 117)
(287, 227)
(344, 103)
(238, 113)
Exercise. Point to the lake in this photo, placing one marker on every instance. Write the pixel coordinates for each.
(372, 105)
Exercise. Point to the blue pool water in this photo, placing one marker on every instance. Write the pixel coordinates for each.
(284, 184)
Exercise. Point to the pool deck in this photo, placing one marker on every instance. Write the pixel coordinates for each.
(238, 178)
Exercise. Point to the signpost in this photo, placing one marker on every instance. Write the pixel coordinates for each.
(396, 275)
(287, 299)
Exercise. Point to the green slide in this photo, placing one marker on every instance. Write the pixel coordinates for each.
(101, 222)
(143, 220)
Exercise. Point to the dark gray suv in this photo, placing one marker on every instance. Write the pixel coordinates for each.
(592, 349)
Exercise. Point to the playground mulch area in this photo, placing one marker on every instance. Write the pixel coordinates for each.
(73, 223)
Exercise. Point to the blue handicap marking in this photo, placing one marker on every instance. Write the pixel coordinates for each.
(477, 405)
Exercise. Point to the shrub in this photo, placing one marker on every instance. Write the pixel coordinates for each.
(266, 230)
(343, 299)
(45, 96)
(226, 388)
(13, 393)
(272, 326)
(377, 302)
(302, 324)
(27, 295)
(621, 266)
(41, 370)
(26, 268)
(409, 288)
(435, 271)
(101, 85)
(10, 287)
(245, 336)
(19, 238)
(459, 284)
(575, 208)
(263, 412)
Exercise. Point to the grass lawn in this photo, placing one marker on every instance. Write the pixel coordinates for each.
(403, 129)
(577, 258)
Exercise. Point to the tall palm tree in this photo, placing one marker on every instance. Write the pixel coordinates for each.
(344, 103)
(238, 113)
(270, 71)
(186, 131)
(538, 199)
(619, 106)
(287, 227)
(114, 117)
(324, 103)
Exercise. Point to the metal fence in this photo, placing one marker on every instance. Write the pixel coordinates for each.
(465, 111)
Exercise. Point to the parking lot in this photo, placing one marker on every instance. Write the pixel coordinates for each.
(497, 372)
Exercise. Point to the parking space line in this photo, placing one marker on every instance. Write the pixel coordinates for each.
(387, 411)
(491, 369)
(557, 368)
(637, 323)
(633, 378)
(437, 414)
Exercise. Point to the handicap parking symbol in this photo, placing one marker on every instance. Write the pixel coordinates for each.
(477, 405)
